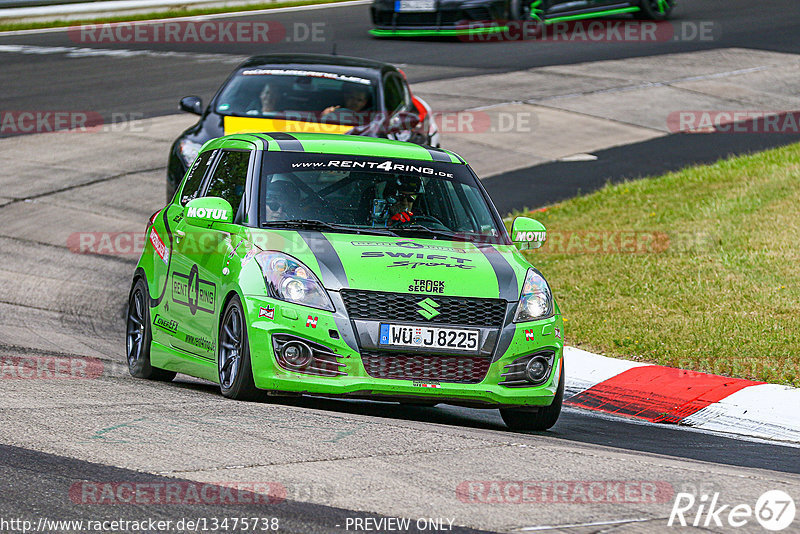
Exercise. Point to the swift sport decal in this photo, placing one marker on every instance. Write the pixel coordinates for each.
(193, 292)
(428, 260)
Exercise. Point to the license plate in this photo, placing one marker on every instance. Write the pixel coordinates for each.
(414, 5)
(427, 337)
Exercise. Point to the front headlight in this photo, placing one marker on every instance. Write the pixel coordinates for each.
(189, 151)
(288, 279)
(536, 300)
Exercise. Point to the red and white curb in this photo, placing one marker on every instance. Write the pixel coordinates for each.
(667, 395)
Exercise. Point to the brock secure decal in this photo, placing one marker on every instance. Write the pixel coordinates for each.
(427, 286)
(193, 292)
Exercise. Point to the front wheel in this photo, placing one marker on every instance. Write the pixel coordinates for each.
(235, 370)
(140, 336)
(656, 9)
(541, 419)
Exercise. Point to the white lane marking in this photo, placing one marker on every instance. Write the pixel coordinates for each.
(584, 369)
(234, 14)
(763, 410)
(78, 52)
(594, 524)
(650, 85)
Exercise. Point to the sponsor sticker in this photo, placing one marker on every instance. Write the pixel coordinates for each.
(558, 332)
(192, 291)
(169, 325)
(159, 246)
(312, 321)
(529, 335)
(267, 313)
(206, 213)
(428, 384)
(426, 286)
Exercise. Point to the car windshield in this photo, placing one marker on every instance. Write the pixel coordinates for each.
(396, 197)
(296, 95)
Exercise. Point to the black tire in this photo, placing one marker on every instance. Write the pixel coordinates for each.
(139, 337)
(233, 355)
(541, 419)
(655, 9)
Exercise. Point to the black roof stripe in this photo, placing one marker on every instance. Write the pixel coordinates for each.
(287, 142)
(438, 155)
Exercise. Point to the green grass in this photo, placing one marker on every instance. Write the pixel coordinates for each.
(716, 290)
(171, 13)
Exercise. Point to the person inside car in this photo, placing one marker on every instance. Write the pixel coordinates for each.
(355, 98)
(400, 195)
(281, 200)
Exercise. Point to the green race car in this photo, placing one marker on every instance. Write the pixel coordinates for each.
(333, 265)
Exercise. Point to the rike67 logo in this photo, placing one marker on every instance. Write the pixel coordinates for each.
(774, 510)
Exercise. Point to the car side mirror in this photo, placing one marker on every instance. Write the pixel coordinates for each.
(404, 120)
(205, 211)
(192, 104)
(527, 233)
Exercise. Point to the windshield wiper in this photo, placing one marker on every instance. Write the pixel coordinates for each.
(422, 229)
(313, 224)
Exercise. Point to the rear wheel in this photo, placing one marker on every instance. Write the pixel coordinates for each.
(542, 418)
(235, 370)
(656, 9)
(140, 337)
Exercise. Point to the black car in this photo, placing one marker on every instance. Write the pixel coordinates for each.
(420, 18)
(305, 93)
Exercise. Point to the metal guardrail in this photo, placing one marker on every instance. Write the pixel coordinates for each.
(35, 3)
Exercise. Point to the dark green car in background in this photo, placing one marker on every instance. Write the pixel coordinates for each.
(341, 266)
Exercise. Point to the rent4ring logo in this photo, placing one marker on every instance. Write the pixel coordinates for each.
(774, 510)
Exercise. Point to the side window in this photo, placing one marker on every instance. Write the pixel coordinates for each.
(395, 93)
(192, 187)
(229, 177)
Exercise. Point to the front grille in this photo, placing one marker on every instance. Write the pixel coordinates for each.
(478, 13)
(445, 17)
(413, 366)
(379, 306)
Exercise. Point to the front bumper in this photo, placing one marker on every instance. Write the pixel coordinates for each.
(449, 19)
(331, 330)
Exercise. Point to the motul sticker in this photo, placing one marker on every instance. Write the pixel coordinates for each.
(159, 246)
(268, 312)
(312, 321)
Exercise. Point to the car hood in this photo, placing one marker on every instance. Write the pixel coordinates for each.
(404, 265)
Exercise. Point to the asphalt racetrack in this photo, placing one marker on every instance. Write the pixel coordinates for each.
(330, 462)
